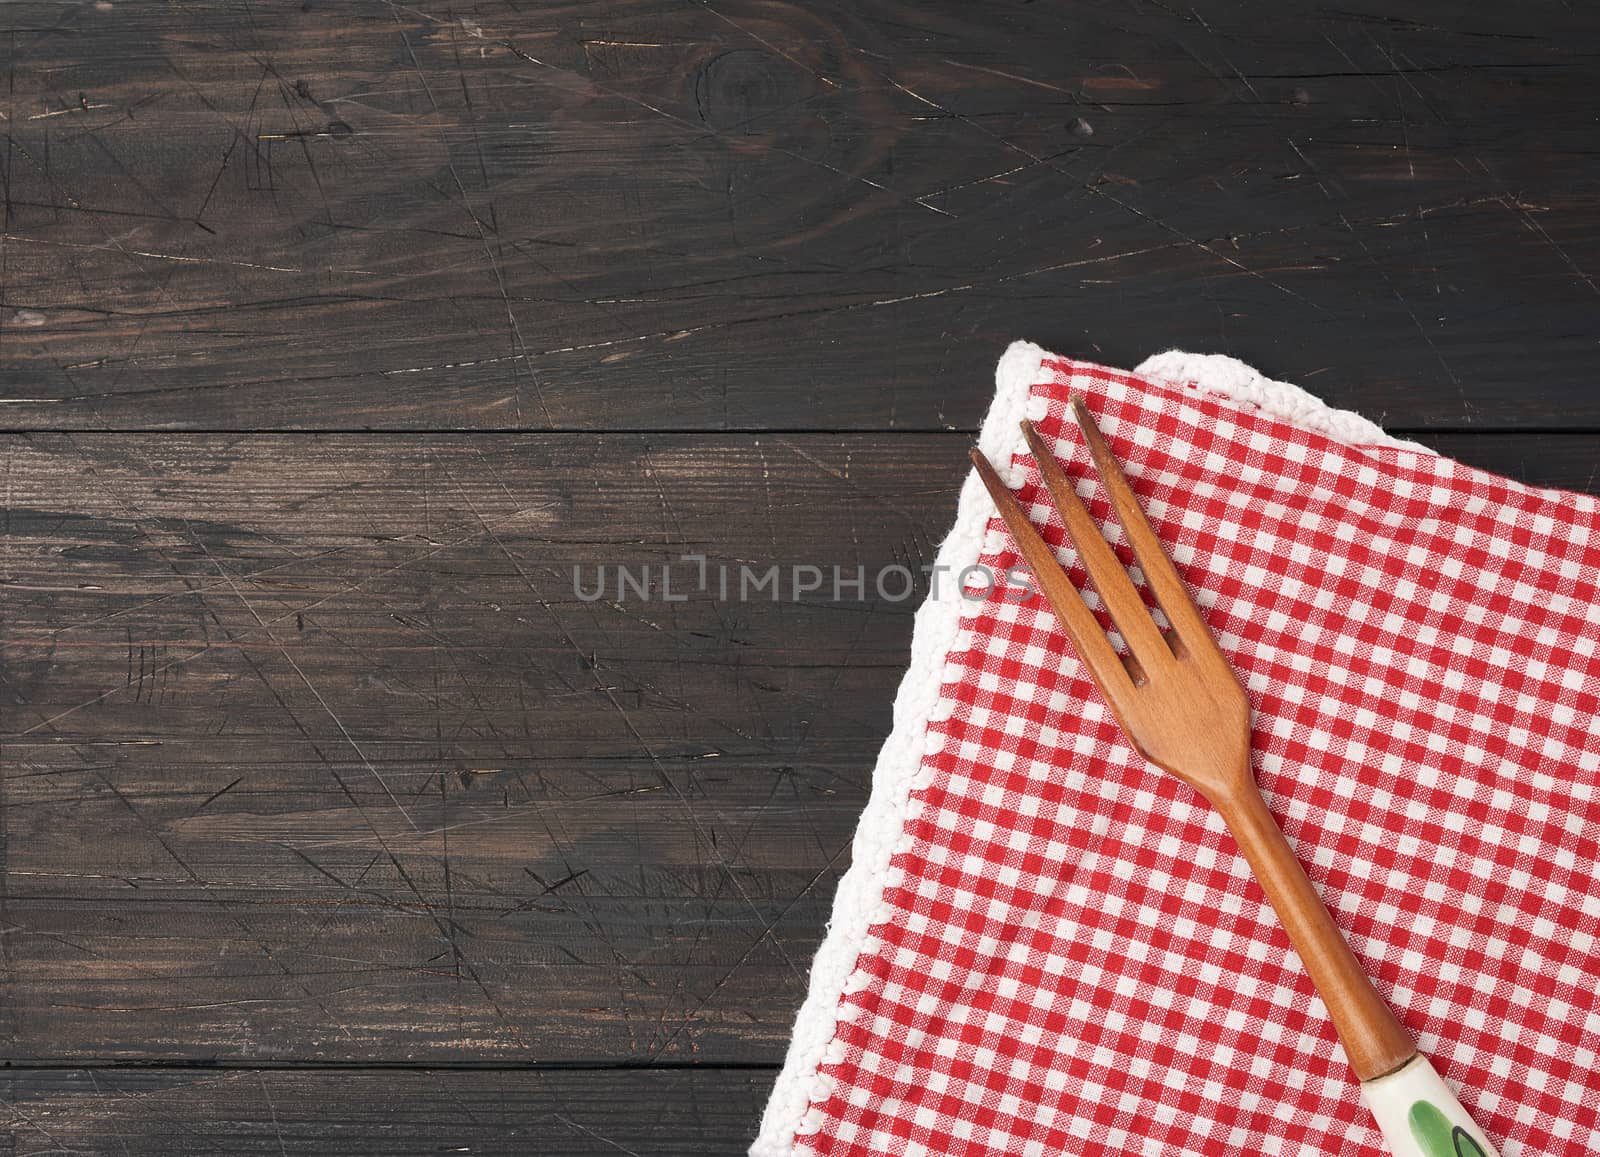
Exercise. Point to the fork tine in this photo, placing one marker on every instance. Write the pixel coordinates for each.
(1153, 559)
(1090, 641)
(1105, 569)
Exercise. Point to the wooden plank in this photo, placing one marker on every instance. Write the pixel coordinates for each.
(415, 1113)
(1567, 462)
(311, 752)
(761, 216)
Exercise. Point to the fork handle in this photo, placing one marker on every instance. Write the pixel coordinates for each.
(1373, 1038)
(1415, 1109)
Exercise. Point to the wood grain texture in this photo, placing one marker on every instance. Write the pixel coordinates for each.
(312, 750)
(419, 1113)
(760, 215)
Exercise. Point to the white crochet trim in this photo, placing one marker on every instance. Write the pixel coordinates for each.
(1246, 385)
(881, 833)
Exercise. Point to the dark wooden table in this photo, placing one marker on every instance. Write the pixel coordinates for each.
(334, 335)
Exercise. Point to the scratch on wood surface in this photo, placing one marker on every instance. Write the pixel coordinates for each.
(179, 258)
(64, 111)
(619, 1147)
(1533, 225)
(765, 43)
(272, 1111)
(1416, 322)
(1011, 76)
(1205, 247)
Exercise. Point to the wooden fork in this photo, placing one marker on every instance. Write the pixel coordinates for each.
(1181, 706)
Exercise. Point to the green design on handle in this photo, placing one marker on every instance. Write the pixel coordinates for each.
(1437, 1136)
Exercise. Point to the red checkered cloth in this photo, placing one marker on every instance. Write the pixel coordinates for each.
(1063, 952)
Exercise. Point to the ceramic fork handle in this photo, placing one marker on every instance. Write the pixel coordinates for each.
(1420, 1116)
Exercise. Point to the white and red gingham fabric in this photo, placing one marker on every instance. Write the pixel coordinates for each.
(1064, 953)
